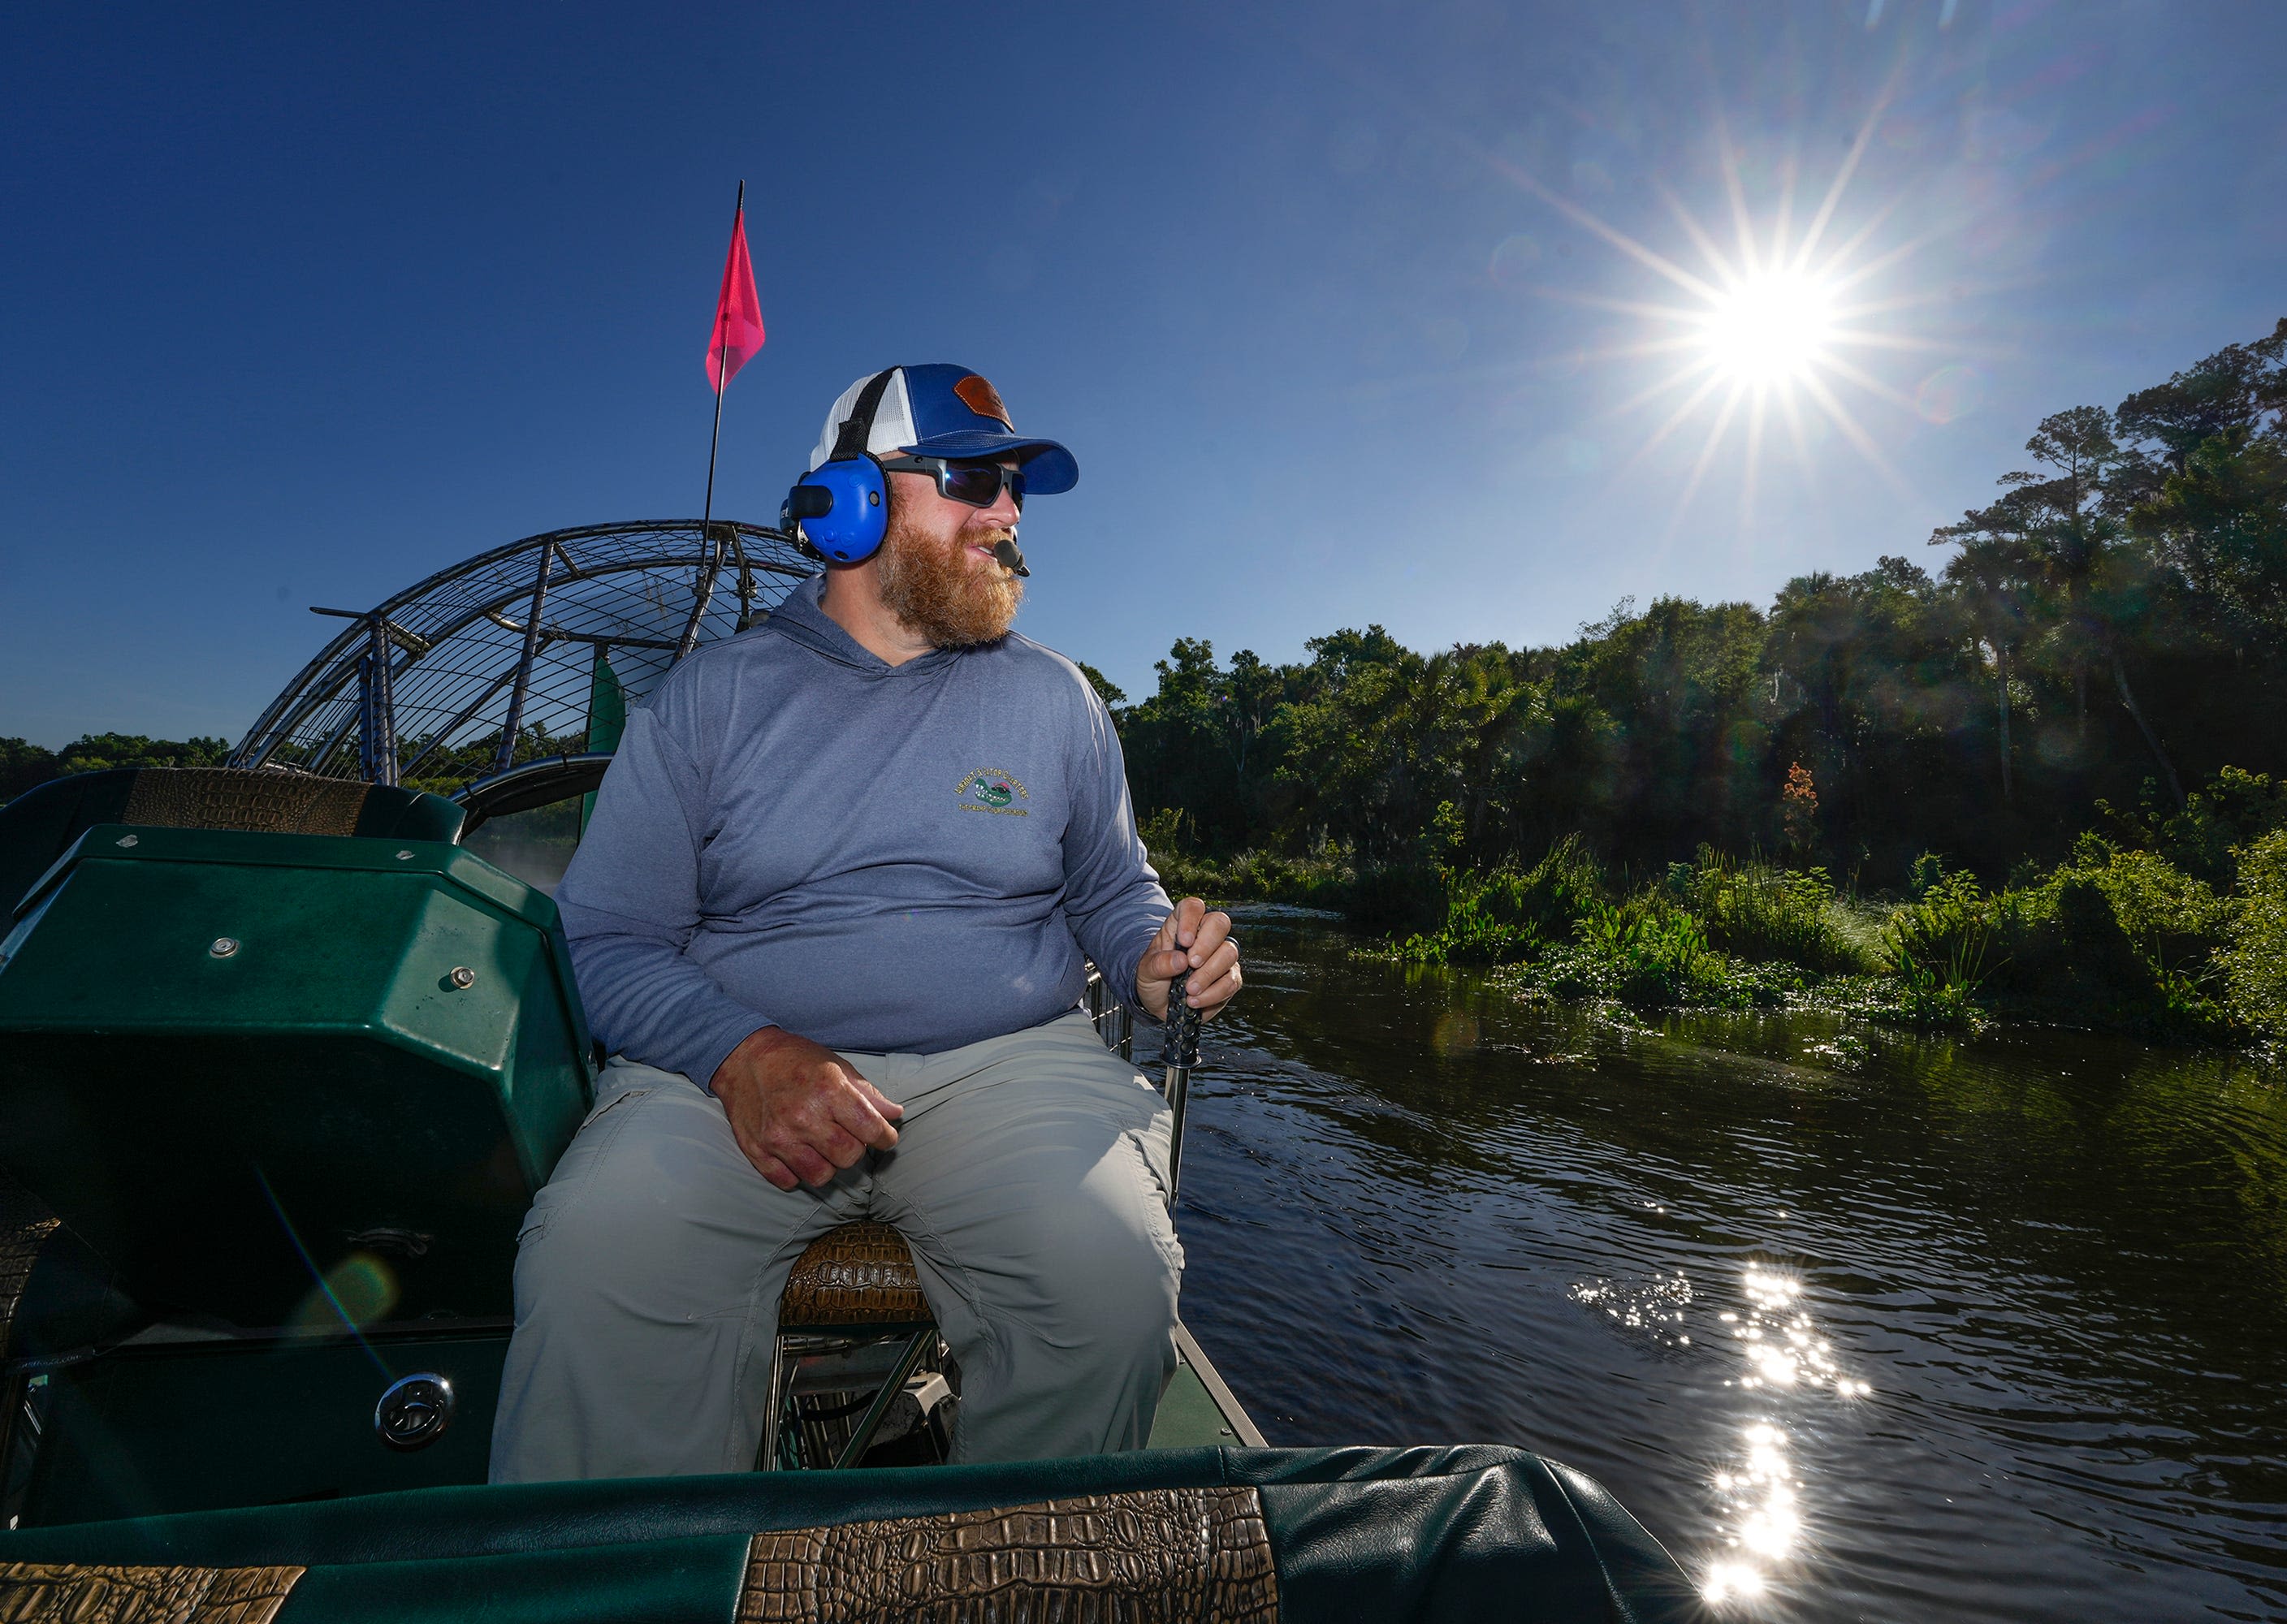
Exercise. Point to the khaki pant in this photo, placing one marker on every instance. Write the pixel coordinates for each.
(1030, 1181)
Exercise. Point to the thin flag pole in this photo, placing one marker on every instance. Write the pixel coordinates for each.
(722, 381)
(709, 561)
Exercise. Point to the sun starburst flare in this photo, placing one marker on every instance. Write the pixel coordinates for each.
(1758, 333)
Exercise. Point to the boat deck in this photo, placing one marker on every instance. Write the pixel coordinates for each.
(1198, 1408)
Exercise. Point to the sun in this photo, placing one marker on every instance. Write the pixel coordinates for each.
(1760, 333)
(1770, 329)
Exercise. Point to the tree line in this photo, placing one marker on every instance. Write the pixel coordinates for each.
(2103, 637)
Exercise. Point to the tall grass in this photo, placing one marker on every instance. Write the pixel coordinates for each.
(1766, 915)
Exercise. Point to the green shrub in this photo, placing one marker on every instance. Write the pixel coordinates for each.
(1321, 881)
(2254, 962)
(1764, 914)
(2113, 939)
(1939, 949)
(2231, 812)
(2173, 920)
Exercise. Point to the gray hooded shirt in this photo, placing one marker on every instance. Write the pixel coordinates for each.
(888, 859)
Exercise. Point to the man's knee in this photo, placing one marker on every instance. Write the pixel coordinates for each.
(1115, 1268)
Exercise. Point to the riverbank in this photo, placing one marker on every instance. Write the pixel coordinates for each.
(2120, 938)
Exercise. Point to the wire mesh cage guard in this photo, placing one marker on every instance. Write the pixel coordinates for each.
(532, 650)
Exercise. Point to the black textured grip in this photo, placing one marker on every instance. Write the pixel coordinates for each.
(1183, 1042)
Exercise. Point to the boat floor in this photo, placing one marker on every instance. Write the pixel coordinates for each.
(1199, 1407)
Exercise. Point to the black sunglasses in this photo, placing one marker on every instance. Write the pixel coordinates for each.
(977, 484)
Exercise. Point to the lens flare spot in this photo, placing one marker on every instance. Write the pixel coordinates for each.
(1515, 260)
(356, 1292)
(1455, 1033)
(1949, 392)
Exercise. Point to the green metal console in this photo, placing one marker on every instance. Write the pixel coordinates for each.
(235, 1065)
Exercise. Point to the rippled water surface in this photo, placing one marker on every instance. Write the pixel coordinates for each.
(1863, 1324)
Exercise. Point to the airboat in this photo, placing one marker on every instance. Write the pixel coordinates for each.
(287, 1046)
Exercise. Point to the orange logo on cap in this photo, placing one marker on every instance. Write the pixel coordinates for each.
(982, 398)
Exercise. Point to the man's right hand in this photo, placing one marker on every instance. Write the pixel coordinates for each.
(799, 1111)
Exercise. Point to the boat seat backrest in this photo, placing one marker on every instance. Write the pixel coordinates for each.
(39, 826)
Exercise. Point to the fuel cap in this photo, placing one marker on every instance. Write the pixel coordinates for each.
(414, 1412)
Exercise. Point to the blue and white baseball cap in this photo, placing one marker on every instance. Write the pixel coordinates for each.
(943, 411)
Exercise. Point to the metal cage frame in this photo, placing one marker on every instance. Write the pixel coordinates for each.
(511, 647)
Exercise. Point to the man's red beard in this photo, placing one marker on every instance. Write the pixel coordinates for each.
(944, 591)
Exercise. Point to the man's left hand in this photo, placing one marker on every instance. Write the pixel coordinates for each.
(1190, 939)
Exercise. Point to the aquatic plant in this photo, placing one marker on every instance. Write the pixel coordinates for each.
(1938, 949)
(1508, 914)
(2254, 962)
(1659, 949)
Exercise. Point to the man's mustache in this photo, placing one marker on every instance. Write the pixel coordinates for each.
(1002, 545)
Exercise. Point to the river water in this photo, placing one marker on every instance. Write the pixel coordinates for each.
(1861, 1324)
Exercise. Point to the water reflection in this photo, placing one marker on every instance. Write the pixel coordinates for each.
(1781, 1345)
(1656, 1307)
(1760, 1496)
(2019, 1304)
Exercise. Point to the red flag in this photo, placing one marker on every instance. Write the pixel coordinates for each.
(738, 312)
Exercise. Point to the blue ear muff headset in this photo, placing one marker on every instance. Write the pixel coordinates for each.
(843, 505)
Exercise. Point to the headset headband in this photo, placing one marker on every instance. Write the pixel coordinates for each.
(857, 428)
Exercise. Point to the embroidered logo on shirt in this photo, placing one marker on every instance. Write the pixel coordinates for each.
(987, 790)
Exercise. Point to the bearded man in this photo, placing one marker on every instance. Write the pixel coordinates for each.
(829, 916)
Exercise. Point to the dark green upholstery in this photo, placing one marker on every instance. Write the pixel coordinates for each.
(40, 824)
(1470, 1533)
(183, 1427)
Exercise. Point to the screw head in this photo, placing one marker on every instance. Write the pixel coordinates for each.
(404, 856)
(463, 977)
(223, 947)
(129, 839)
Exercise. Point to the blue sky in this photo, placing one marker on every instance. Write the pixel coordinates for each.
(304, 303)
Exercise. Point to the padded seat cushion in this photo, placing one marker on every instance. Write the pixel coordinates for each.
(857, 1274)
(260, 803)
(40, 824)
